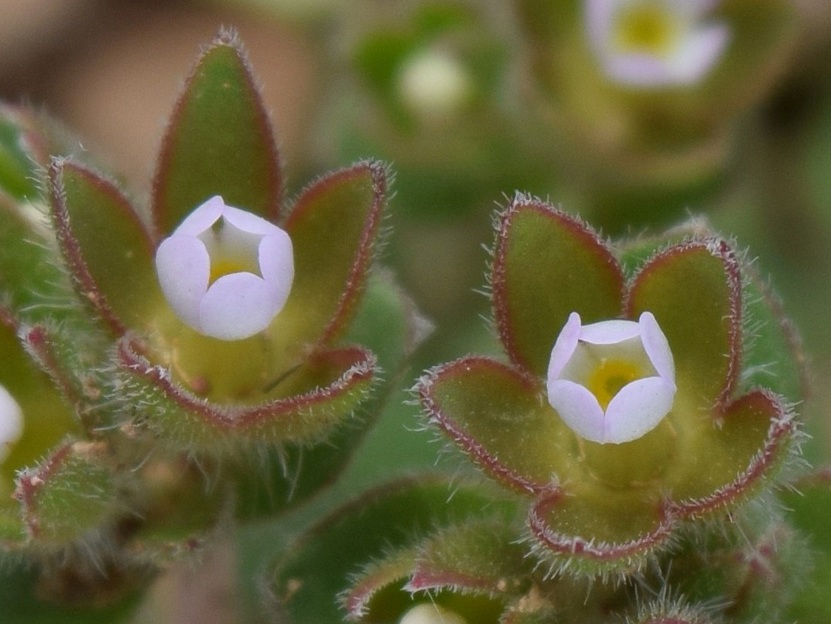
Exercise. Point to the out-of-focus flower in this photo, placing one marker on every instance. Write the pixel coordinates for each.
(226, 272)
(655, 43)
(434, 85)
(429, 613)
(611, 381)
(11, 422)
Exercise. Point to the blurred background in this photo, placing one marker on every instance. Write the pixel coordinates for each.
(470, 102)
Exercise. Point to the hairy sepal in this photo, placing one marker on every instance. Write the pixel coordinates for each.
(315, 398)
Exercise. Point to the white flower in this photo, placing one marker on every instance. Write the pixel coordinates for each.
(653, 43)
(434, 84)
(11, 422)
(429, 613)
(226, 272)
(613, 381)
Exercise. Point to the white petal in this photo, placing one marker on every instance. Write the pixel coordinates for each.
(599, 15)
(276, 258)
(640, 70)
(11, 422)
(698, 53)
(637, 409)
(609, 332)
(248, 222)
(184, 268)
(202, 218)
(237, 306)
(578, 408)
(657, 347)
(564, 346)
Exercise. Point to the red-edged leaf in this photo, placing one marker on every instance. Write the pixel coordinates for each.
(47, 418)
(219, 142)
(728, 461)
(548, 264)
(499, 416)
(104, 245)
(69, 494)
(481, 557)
(302, 408)
(694, 291)
(333, 227)
(618, 532)
(381, 525)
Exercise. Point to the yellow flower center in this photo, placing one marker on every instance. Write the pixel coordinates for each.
(610, 376)
(646, 27)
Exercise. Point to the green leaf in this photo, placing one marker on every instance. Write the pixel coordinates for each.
(547, 265)
(481, 556)
(723, 459)
(773, 356)
(694, 291)
(585, 536)
(501, 419)
(105, 246)
(22, 589)
(17, 154)
(25, 260)
(70, 494)
(333, 228)
(47, 419)
(219, 142)
(308, 579)
(809, 510)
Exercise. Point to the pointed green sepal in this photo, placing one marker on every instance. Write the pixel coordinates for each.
(694, 290)
(219, 142)
(498, 415)
(333, 227)
(546, 265)
(617, 534)
(728, 460)
(104, 244)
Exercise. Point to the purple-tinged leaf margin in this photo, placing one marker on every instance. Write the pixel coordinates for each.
(544, 270)
(197, 422)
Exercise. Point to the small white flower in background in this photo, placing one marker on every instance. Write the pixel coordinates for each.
(434, 84)
(655, 43)
(429, 613)
(226, 272)
(11, 423)
(613, 381)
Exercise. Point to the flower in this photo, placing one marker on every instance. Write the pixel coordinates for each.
(11, 422)
(611, 381)
(653, 43)
(434, 84)
(225, 324)
(226, 272)
(430, 613)
(655, 418)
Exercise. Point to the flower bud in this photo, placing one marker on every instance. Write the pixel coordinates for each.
(613, 381)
